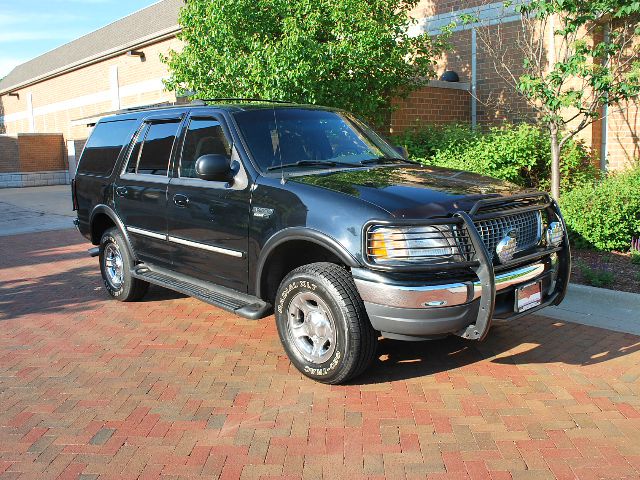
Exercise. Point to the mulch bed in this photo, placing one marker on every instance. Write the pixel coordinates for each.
(625, 275)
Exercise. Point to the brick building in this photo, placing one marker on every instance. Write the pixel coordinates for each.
(47, 105)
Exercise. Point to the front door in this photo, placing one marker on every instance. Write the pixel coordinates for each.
(141, 190)
(208, 221)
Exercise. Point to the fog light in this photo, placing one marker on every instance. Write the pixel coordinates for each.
(555, 234)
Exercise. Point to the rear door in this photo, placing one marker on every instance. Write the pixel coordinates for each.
(209, 220)
(141, 189)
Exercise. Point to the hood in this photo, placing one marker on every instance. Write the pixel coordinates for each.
(413, 191)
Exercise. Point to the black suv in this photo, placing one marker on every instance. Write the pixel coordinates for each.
(307, 211)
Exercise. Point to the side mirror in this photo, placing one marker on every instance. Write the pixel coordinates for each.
(213, 167)
(402, 151)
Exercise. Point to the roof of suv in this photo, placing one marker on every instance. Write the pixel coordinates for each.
(229, 107)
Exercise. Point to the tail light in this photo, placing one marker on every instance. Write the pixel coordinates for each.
(74, 195)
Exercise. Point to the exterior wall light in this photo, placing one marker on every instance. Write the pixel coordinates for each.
(14, 94)
(136, 53)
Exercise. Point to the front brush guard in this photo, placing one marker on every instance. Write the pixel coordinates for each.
(486, 275)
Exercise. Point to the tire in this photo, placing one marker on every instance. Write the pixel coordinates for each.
(323, 325)
(115, 266)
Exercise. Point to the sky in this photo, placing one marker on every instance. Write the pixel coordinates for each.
(29, 28)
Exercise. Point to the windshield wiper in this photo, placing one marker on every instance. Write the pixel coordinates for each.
(304, 163)
(382, 160)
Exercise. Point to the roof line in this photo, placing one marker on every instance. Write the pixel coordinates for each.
(94, 31)
(98, 57)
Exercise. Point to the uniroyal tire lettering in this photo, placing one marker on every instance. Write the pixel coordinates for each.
(324, 371)
(293, 285)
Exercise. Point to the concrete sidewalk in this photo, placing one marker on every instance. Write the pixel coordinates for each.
(599, 307)
(35, 209)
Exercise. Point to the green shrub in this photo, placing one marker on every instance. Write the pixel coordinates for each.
(605, 215)
(424, 142)
(517, 153)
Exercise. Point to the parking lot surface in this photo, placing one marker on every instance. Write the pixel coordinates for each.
(171, 387)
(35, 209)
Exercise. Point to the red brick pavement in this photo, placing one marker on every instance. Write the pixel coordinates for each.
(171, 387)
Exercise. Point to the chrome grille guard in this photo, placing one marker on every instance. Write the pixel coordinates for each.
(479, 260)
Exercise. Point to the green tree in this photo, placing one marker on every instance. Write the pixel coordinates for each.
(579, 55)
(344, 53)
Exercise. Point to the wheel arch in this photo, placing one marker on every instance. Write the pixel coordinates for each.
(103, 217)
(323, 247)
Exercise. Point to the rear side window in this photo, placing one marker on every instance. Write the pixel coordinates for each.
(103, 147)
(151, 156)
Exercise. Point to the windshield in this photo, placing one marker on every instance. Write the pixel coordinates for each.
(309, 138)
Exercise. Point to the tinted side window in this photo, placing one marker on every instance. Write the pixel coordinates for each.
(156, 149)
(104, 146)
(204, 136)
(134, 155)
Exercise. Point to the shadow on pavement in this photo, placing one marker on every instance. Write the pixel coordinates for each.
(532, 340)
(42, 248)
(67, 291)
(159, 294)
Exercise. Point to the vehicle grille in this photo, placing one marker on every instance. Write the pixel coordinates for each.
(528, 226)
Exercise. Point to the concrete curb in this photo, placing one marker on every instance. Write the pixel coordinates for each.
(622, 299)
(599, 307)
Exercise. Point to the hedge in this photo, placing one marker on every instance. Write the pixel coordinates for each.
(605, 215)
(517, 153)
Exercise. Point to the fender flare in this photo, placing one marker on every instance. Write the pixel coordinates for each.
(101, 208)
(300, 233)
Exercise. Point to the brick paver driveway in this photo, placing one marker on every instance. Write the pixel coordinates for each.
(173, 387)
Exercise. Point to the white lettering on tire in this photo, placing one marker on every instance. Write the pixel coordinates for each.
(324, 371)
(290, 287)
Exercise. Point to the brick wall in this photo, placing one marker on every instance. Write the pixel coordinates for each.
(9, 158)
(41, 152)
(433, 105)
(624, 135)
(29, 160)
(29, 152)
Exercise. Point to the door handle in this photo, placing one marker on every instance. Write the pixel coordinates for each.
(121, 191)
(181, 200)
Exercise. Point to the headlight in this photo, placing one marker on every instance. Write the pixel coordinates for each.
(410, 244)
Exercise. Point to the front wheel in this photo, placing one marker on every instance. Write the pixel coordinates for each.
(323, 324)
(115, 266)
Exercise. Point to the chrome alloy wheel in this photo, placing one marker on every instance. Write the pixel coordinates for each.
(113, 265)
(311, 327)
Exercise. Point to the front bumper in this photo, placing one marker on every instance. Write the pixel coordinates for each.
(414, 310)
(414, 307)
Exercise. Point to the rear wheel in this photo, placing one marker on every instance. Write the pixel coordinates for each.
(115, 266)
(323, 325)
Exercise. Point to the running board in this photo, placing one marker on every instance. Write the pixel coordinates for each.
(246, 306)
